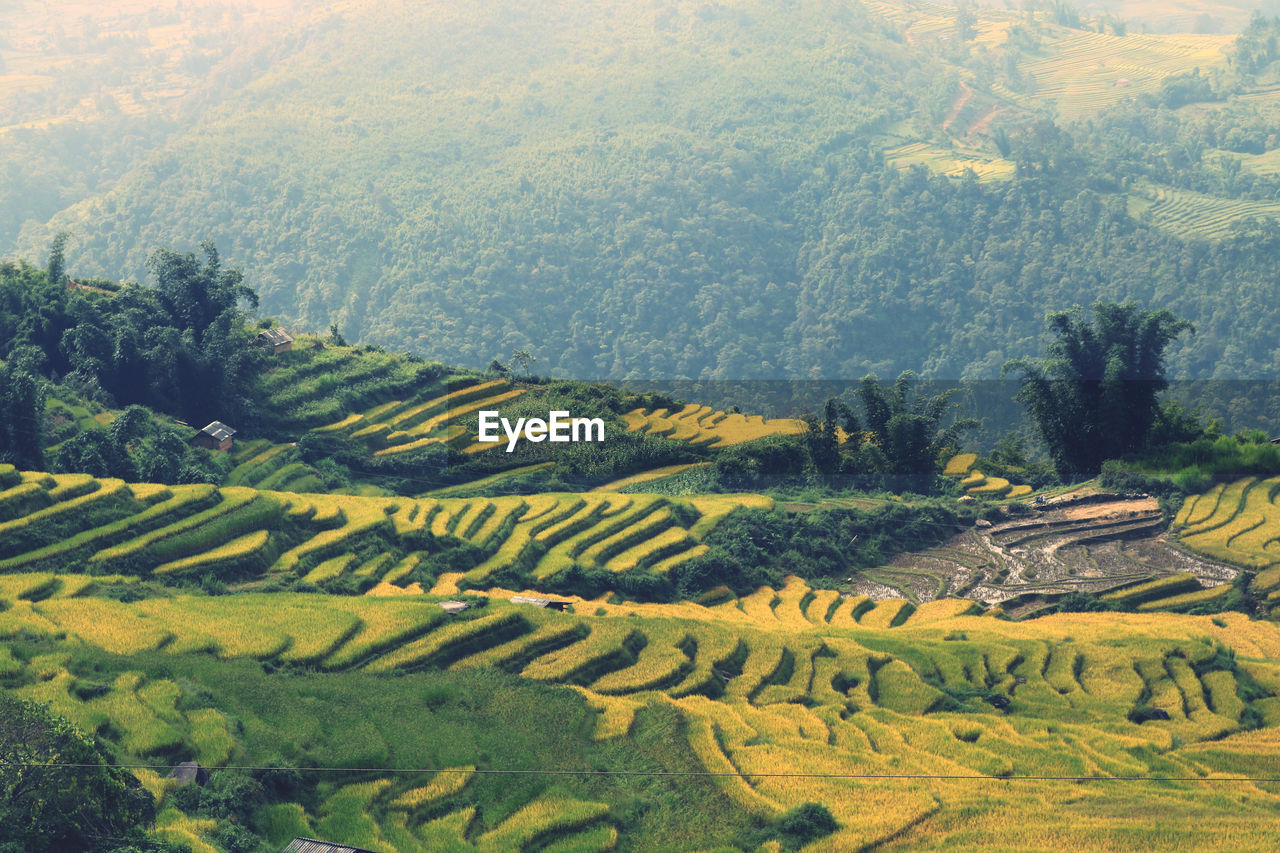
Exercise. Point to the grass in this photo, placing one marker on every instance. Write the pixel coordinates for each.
(787, 678)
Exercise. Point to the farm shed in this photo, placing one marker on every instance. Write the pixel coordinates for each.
(537, 601)
(310, 845)
(275, 340)
(216, 436)
(188, 772)
(453, 608)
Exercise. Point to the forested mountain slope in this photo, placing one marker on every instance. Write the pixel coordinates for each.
(462, 180)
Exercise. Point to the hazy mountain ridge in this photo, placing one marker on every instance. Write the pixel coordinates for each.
(694, 190)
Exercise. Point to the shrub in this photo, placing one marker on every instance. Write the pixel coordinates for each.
(805, 824)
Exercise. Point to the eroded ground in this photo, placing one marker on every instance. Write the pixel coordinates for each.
(1086, 544)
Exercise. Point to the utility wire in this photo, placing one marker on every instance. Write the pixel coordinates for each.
(963, 777)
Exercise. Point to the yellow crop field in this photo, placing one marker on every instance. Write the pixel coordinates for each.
(1081, 72)
(430, 418)
(543, 815)
(244, 546)
(438, 642)
(444, 784)
(606, 642)
(1238, 523)
(648, 476)
(662, 661)
(975, 483)
(1187, 599)
(768, 685)
(953, 162)
(699, 425)
(231, 532)
(959, 465)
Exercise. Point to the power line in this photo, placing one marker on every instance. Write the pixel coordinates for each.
(959, 777)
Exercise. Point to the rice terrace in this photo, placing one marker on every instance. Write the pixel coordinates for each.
(738, 427)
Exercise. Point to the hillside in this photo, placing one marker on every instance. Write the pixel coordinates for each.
(422, 584)
(786, 681)
(800, 644)
(748, 163)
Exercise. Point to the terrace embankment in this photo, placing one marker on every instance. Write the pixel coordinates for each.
(1082, 544)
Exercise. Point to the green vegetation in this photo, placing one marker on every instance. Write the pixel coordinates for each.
(785, 680)
(757, 630)
(1096, 395)
(767, 164)
(47, 766)
(179, 347)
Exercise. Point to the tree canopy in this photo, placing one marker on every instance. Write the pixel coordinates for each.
(1095, 396)
(179, 346)
(59, 792)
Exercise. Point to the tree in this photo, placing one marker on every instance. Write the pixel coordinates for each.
(57, 265)
(522, 358)
(21, 425)
(59, 792)
(195, 295)
(908, 431)
(822, 439)
(1096, 394)
(806, 823)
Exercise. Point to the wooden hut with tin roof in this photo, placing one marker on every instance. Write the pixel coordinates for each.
(216, 436)
(539, 601)
(311, 845)
(275, 341)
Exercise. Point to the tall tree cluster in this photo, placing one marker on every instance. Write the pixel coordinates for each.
(179, 345)
(1095, 396)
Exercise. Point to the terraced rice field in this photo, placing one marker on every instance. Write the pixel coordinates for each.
(1237, 522)
(946, 161)
(1195, 215)
(241, 533)
(317, 383)
(441, 415)
(923, 21)
(787, 680)
(1079, 72)
(1084, 72)
(702, 425)
(978, 484)
(1024, 562)
(264, 465)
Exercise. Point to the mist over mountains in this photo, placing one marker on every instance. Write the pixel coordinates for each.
(708, 191)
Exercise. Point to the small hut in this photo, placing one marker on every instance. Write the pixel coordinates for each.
(310, 845)
(188, 772)
(216, 436)
(275, 341)
(538, 601)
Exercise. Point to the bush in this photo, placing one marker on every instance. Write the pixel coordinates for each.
(230, 795)
(806, 823)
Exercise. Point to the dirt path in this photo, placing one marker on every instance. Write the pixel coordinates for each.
(957, 105)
